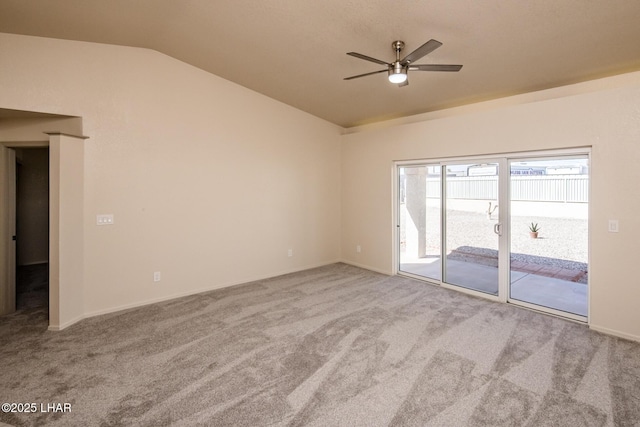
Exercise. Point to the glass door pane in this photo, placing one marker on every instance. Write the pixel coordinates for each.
(549, 233)
(471, 226)
(419, 233)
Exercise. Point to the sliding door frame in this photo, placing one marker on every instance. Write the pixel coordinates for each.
(502, 237)
(504, 251)
(586, 153)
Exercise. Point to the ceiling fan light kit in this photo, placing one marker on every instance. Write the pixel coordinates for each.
(397, 73)
(399, 69)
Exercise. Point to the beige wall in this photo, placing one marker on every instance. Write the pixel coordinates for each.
(602, 114)
(66, 249)
(209, 183)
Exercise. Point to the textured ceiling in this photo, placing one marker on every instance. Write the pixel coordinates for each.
(294, 50)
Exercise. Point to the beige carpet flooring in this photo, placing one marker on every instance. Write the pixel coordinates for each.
(331, 346)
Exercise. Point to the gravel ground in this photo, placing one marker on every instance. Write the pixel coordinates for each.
(561, 242)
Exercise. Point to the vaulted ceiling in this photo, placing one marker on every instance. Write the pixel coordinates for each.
(295, 50)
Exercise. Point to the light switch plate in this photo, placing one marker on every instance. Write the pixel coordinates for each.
(104, 219)
(613, 226)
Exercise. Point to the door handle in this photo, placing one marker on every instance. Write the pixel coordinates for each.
(497, 228)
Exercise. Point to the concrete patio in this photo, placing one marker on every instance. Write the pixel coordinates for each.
(530, 283)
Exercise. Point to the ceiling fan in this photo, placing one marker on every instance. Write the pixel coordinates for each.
(399, 69)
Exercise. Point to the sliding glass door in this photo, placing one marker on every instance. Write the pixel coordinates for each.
(453, 238)
(549, 239)
(471, 225)
(419, 225)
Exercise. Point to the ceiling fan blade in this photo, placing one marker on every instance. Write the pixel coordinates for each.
(434, 67)
(426, 48)
(367, 58)
(365, 74)
(404, 83)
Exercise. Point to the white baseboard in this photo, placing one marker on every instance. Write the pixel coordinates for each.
(368, 267)
(184, 294)
(615, 333)
(65, 324)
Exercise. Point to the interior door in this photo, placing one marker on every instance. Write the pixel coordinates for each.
(7, 230)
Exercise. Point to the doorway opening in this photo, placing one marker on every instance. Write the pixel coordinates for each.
(509, 228)
(32, 228)
(22, 130)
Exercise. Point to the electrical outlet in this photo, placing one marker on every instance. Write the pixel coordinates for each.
(290, 252)
(157, 276)
(358, 249)
(614, 226)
